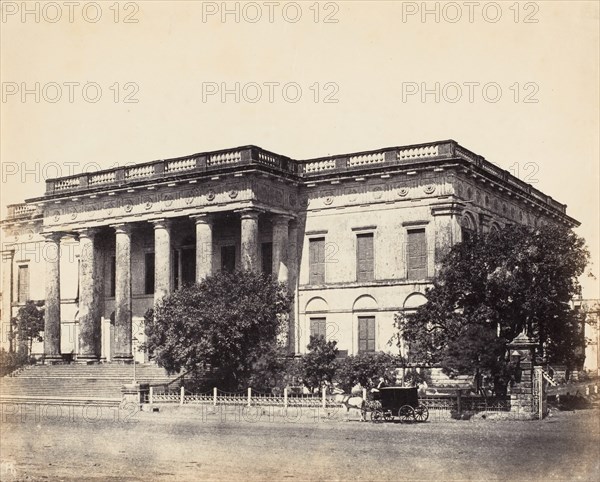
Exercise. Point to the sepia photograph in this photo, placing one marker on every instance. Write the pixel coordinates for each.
(299, 240)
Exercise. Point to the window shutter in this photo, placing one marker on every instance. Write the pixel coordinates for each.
(417, 254)
(366, 333)
(317, 260)
(23, 284)
(364, 257)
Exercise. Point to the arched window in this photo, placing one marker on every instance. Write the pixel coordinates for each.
(365, 315)
(316, 311)
(468, 227)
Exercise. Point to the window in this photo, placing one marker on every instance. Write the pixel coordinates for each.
(228, 258)
(187, 259)
(318, 327)
(467, 228)
(316, 261)
(417, 254)
(364, 257)
(267, 258)
(149, 273)
(113, 276)
(366, 333)
(23, 284)
(175, 271)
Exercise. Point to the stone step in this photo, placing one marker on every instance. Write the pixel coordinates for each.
(74, 382)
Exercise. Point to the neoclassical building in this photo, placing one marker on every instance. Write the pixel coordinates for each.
(358, 237)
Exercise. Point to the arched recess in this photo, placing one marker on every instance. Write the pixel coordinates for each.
(365, 303)
(494, 227)
(316, 305)
(316, 322)
(414, 300)
(411, 303)
(468, 225)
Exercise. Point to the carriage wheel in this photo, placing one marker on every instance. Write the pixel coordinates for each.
(406, 414)
(377, 415)
(421, 413)
(388, 416)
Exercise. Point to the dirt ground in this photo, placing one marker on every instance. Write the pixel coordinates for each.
(100, 443)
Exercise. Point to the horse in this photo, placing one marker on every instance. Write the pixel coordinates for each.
(352, 401)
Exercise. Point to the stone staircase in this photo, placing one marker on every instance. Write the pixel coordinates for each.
(76, 384)
(442, 381)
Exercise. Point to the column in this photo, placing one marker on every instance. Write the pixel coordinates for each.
(89, 282)
(280, 248)
(52, 305)
(7, 297)
(293, 337)
(249, 223)
(122, 350)
(162, 258)
(204, 246)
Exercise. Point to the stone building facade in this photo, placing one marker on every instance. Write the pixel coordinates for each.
(358, 237)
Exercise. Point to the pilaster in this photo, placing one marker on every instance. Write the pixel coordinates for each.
(280, 248)
(7, 297)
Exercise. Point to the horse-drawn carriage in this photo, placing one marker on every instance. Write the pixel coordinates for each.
(401, 402)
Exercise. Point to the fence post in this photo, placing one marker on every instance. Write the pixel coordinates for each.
(364, 394)
(587, 390)
(249, 396)
(285, 398)
(459, 401)
(181, 396)
(324, 396)
(595, 388)
(150, 395)
(215, 396)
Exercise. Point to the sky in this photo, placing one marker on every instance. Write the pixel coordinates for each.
(91, 85)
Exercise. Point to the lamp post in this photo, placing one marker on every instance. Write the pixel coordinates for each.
(134, 341)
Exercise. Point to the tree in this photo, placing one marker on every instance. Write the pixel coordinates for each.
(493, 287)
(29, 324)
(226, 326)
(319, 364)
(365, 369)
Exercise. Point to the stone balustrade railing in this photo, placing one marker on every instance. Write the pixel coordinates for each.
(166, 168)
(137, 172)
(179, 165)
(22, 210)
(366, 159)
(251, 155)
(102, 178)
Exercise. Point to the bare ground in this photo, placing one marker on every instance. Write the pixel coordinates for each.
(93, 443)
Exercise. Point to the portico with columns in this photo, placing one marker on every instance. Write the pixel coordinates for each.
(114, 264)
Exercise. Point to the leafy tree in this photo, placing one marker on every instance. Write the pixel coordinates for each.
(225, 327)
(319, 364)
(365, 369)
(491, 288)
(29, 324)
(273, 371)
(11, 361)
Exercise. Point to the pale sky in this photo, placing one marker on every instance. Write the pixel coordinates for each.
(516, 83)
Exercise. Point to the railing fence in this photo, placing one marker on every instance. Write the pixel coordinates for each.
(248, 398)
